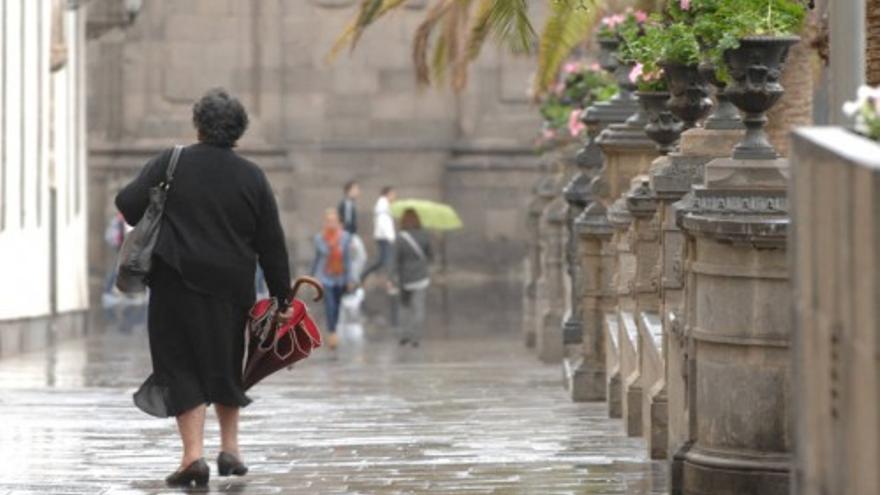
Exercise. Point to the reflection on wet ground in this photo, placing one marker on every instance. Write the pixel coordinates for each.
(463, 416)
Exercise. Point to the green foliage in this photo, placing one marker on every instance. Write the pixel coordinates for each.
(615, 25)
(644, 47)
(555, 112)
(568, 24)
(579, 87)
(718, 25)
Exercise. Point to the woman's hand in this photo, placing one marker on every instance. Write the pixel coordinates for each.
(286, 315)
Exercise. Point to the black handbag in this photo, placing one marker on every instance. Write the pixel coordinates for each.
(136, 254)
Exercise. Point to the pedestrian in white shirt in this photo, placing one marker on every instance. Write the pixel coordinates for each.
(383, 231)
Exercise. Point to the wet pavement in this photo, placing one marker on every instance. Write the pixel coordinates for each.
(462, 416)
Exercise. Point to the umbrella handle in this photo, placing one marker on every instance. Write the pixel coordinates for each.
(319, 289)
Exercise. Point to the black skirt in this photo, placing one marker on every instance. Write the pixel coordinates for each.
(197, 348)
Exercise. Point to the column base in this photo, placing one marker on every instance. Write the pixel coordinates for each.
(549, 339)
(716, 473)
(657, 422)
(632, 413)
(584, 383)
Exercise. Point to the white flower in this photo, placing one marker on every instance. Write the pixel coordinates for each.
(851, 108)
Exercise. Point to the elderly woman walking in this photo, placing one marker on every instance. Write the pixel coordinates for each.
(410, 273)
(220, 220)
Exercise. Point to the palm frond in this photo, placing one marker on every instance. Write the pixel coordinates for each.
(509, 21)
(569, 23)
(423, 36)
(369, 12)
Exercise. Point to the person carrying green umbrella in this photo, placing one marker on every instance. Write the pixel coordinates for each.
(413, 254)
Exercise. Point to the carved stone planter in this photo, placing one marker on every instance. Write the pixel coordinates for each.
(755, 69)
(737, 316)
(663, 127)
(724, 116)
(690, 93)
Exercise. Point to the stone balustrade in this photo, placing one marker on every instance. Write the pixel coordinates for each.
(835, 246)
(683, 285)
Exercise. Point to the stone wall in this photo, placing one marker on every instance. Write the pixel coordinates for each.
(317, 125)
(872, 31)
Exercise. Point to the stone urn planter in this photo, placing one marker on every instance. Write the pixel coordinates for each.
(755, 70)
(690, 93)
(724, 116)
(608, 47)
(663, 127)
(609, 61)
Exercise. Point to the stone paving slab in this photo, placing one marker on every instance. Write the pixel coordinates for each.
(463, 417)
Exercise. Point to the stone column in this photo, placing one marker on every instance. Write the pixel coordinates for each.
(645, 234)
(585, 361)
(542, 192)
(737, 297)
(577, 196)
(628, 153)
(552, 284)
(672, 177)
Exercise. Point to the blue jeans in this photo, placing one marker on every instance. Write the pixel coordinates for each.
(332, 297)
(383, 261)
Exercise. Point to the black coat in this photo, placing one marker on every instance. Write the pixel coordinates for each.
(220, 220)
(349, 223)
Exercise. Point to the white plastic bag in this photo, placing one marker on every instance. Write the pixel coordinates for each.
(350, 327)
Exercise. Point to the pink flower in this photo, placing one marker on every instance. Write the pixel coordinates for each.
(575, 126)
(595, 67)
(548, 133)
(641, 16)
(635, 73)
(684, 4)
(559, 88)
(612, 21)
(571, 67)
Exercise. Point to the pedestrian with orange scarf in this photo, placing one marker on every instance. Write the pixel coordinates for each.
(332, 267)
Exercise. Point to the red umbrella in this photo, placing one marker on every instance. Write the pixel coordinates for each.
(274, 345)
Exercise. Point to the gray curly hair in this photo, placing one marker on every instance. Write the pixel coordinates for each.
(220, 118)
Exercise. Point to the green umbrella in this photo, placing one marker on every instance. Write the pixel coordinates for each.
(433, 215)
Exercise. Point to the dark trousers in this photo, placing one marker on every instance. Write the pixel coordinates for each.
(332, 298)
(382, 261)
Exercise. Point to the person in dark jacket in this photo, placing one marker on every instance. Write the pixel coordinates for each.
(347, 208)
(220, 220)
(410, 274)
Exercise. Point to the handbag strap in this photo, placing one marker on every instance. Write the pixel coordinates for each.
(414, 245)
(172, 165)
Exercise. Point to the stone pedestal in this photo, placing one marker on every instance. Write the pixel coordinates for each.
(584, 365)
(542, 193)
(548, 189)
(553, 284)
(737, 313)
(672, 177)
(644, 233)
(628, 153)
(593, 376)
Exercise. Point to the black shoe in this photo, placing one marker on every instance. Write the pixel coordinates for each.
(403, 342)
(196, 473)
(229, 464)
(415, 343)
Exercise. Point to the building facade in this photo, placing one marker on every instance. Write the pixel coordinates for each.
(316, 124)
(43, 207)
